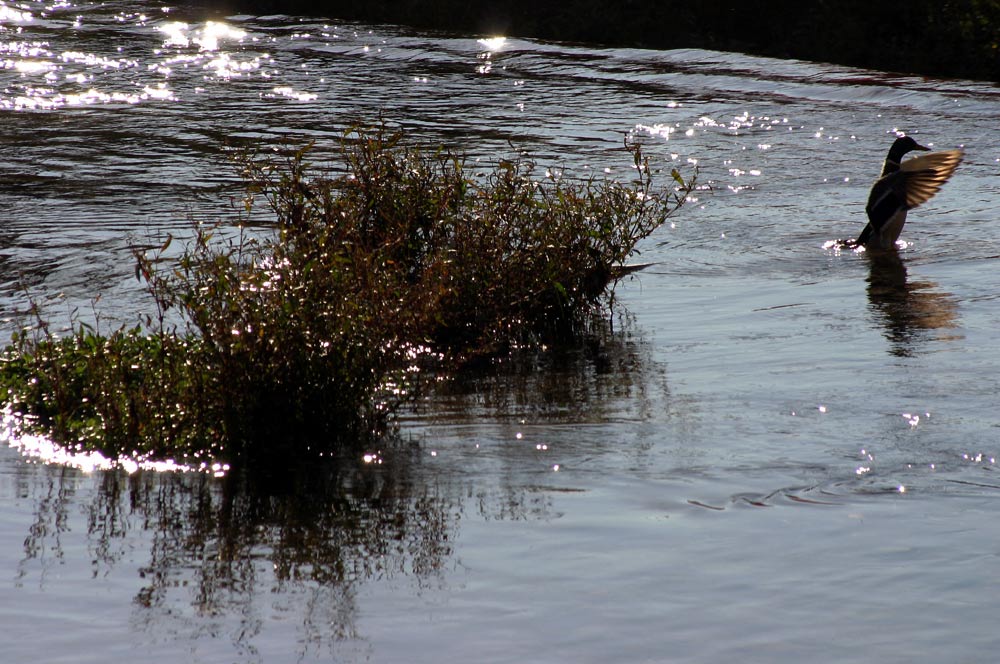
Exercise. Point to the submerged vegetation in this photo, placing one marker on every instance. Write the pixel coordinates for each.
(307, 336)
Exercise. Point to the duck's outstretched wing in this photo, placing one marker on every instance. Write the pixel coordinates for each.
(916, 181)
(921, 177)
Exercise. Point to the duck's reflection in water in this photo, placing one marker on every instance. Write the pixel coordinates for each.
(909, 312)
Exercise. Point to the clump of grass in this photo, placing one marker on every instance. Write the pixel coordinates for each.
(126, 394)
(307, 336)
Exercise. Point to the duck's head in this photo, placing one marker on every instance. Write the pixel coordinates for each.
(901, 146)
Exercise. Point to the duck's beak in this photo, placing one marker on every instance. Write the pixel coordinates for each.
(918, 146)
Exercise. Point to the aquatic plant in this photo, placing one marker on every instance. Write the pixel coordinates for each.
(129, 393)
(307, 336)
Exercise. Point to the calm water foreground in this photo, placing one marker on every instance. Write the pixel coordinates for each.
(781, 452)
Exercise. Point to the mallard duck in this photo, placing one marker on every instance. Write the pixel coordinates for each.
(903, 186)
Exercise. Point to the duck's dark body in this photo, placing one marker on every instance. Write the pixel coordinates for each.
(903, 186)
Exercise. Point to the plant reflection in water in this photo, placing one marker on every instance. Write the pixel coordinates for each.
(216, 546)
(292, 544)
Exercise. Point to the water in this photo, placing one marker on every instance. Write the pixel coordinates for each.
(782, 452)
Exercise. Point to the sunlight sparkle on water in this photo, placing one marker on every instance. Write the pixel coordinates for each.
(226, 67)
(36, 99)
(493, 43)
(91, 60)
(179, 35)
(159, 92)
(287, 91)
(214, 31)
(33, 66)
(176, 32)
(41, 449)
(979, 458)
(9, 14)
(659, 129)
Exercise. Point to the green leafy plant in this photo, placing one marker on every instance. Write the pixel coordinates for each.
(307, 335)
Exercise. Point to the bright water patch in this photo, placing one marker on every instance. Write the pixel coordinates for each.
(36, 448)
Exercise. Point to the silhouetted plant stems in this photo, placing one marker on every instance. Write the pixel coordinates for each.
(308, 337)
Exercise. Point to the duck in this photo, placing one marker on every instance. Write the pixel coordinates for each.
(902, 186)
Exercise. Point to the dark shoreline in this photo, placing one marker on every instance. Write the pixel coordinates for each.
(927, 37)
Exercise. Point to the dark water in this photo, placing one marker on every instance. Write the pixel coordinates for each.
(782, 452)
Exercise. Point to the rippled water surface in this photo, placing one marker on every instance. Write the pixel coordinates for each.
(781, 452)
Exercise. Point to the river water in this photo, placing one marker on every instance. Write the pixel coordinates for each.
(780, 452)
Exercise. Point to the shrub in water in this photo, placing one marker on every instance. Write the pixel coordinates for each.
(307, 336)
